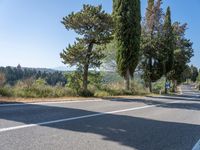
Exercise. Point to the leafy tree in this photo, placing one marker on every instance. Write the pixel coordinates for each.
(94, 27)
(182, 54)
(127, 18)
(151, 43)
(194, 73)
(187, 73)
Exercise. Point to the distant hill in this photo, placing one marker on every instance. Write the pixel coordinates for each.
(64, 68)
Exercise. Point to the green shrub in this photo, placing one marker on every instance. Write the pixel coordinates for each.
(5, 91)
(87, 93)
(159, 86)
(101, 94)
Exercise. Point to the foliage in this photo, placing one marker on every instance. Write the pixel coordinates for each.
(114, 89)
(182, 54)
(94, 27)
(15, 74)
(35, 91)
(127, 18)
(2, 79)
(40, 82)
(159, 86)
(109, 62)
(194, 73)
(74, 81)
(6, 91)
(152, 44)
(198, 78)
(167, 53)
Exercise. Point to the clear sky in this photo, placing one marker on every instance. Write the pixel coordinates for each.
(31, 33)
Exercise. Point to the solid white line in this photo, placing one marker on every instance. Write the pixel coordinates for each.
(60, 102)
(197, 146)
(80, 117)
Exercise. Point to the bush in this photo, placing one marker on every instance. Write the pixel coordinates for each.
(84, 93)
(101, 94)
(159, 86)
(115, 89)
(5, 91)
(36, 91)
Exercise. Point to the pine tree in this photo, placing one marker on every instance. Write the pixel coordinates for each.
(127, 18)
(94, 27)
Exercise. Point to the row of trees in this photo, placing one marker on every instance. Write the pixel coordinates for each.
(11, 75)
(156, 46)
(166, 50)
(190, 73)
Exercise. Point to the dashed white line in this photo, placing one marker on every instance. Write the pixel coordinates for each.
(80, 117)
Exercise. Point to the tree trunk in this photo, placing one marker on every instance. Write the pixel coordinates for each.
(150, 69)
(174, 88)
(127, 80)
(150, 86)
(86, 67)
(85, 77)
(164, 72)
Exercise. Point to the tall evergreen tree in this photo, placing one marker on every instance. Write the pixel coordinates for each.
(127, 15)
(167, 55)
(149, 12)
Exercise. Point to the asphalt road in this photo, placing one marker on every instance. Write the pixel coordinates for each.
(150, 123)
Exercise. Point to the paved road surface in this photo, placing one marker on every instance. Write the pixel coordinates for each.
(161, 123)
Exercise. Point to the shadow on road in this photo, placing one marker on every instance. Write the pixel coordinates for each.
(134, 132)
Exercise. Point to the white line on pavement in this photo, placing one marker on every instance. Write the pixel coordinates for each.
(197, 146)
(59, 102)
(81, 117)
(181, 92)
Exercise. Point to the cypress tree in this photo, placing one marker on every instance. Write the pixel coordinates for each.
(168, 38)
(127, 35)
(149, 11)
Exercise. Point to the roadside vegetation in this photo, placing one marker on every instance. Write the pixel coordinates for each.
(113, 54)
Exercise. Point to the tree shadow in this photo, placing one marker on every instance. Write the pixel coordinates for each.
(133, 132)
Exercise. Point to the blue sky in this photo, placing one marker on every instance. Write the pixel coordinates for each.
(31, 33)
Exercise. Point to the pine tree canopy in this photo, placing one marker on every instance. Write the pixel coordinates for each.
(91, 23)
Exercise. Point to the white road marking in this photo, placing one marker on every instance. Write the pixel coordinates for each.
(181, 92)
(60, 102)
(184, 98)
(197, 146)
(80, 117)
